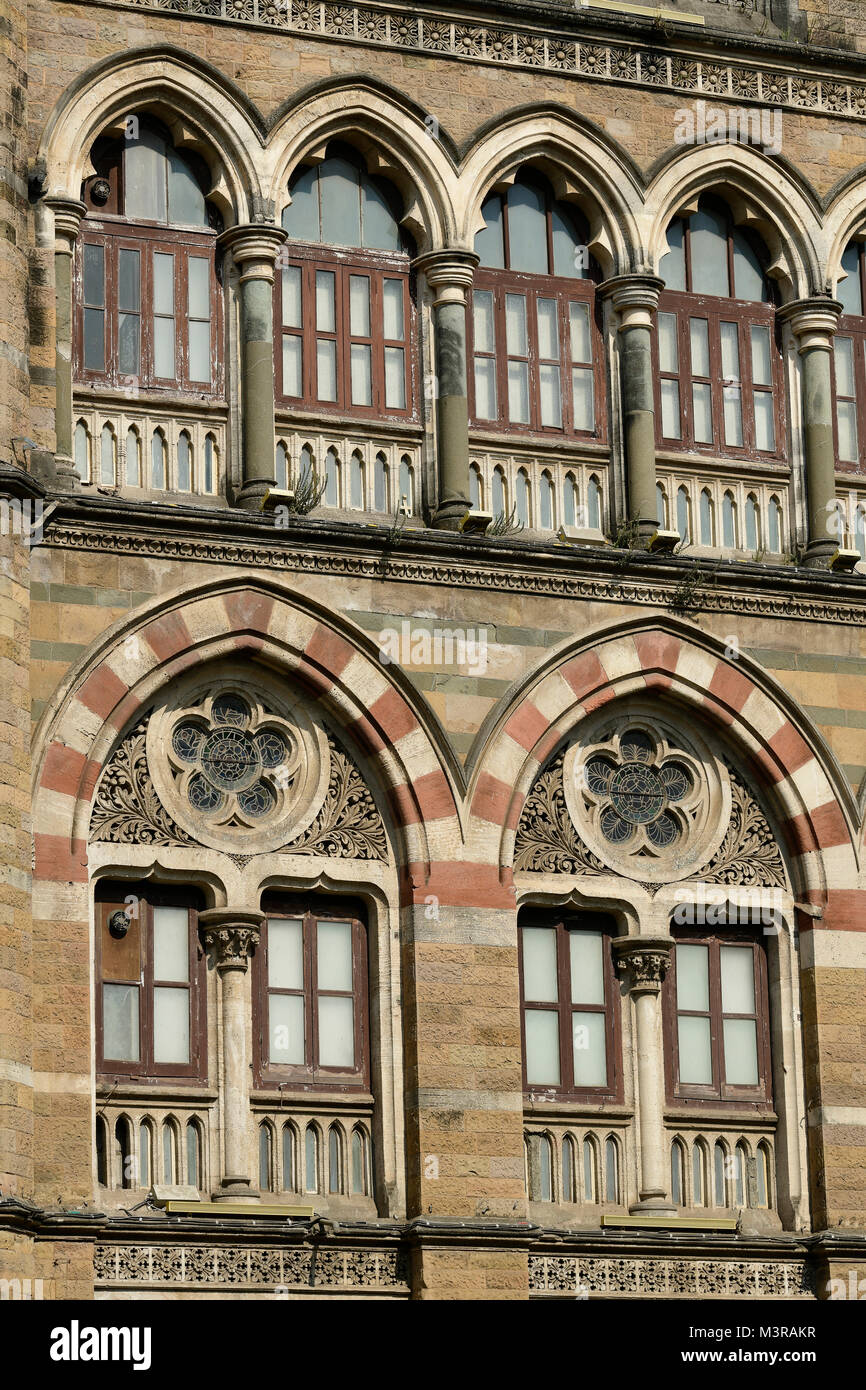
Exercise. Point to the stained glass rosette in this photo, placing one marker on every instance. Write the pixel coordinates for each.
(635, 788)
(230, 765)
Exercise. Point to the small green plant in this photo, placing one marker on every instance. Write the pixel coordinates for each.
(505, 524)
(627, 535)
(686, 596)
(309, 489)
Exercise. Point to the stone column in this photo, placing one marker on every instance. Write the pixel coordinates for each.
(255, 248)
(646, 960)
(813, 323)
(635, 299)
(68, 213)
(230, 935)
(449, 274)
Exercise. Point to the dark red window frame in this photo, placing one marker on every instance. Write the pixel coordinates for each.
(854, 326)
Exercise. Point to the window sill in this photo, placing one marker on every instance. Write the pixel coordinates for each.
(725, 467)
(195, 1093)
(151, 398)
(345, 424)
(740, 1115)
(515, 442)
(572, 1112)
(311, 1100)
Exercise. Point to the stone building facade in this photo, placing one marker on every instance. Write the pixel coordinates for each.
(433, 721)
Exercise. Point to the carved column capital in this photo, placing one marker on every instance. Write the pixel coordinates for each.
(646, 959)
(813, 322)
(231, 935)
(634, 297)
(449, 273)
(68, 213)
(255, 247)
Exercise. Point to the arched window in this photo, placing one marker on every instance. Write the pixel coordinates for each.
(719, 368)
(335, 1159)
(347, 319)
(836, 525)
(360, 1164)
(289, 1162)
(147, 294)
(145, 1153)
(545, 1169)
(849, 344)
(590, 1170)
(82, 451)
(311, 1159)
(106, 456)
(860, 531)
(282, 466)
(569, 1168)
(535, 344)
(708, 528)
(661, 507)
(522, 498)
(774, 526)
(332, 479)
(677, 1174)
(729, 522)
(753, 523)
(211, 463)
(474, 486)
(133, 457)
(699, 1174)
(407, 485)
(498, 493)
(611, 1170)
(356, 481)
(266, 1150)
(125, 1160)
(193, 1154)
(593, 502)
(380, 484)
(570, 500)
(684, 513)
(720, 1196)
(546, 499)
(169, 1152)
(101, 1152)
(158, 459)
(305, 471)
(184, 462)
(741, 1168)
(762, 1176)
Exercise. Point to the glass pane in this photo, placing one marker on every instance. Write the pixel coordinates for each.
(843, 349)
(545, 1170)
(593, 502)
(498, 493)
(132, 460)
(144, 1156)
(518, 392)
(293, 363)
(587, 966)
(738, 980)
(741, 1051)
(527, 229)
(144, 178)
(521, 498)
(94, 275)
(288, 1159)
(846, 416)
(192, 1173)
(292, 297)
(546, 501)
(765, 422)
(356, 482)
(286, 1029)
(582, 395)
(703, 412)
(733, 409)
(285, 954)
(761, 1175)
(693, 979)
(550, 395)
(208, 463)
(548, 329)
(683, 514)
(707, 537)
(482, 320)
(567, 1171)
(719, 1176)
(672, 266)
(392, 309)
(326, 369)
(334, 1183)
(163, 283)
(199, 350)
(359, 306)
(676, 1175)
(163, 347)
(311, 1177)
(362, 374)
(264, 1158)
(380, 500)
(380, 230)
(301, 217)
(94, 340)
(774, 518)
(610, 1171)
(184, 461)
(700, 345)
(198, 287)
(590, 1049)
(542, 1047)
(157, 460)
(171, 943)
(515, 324)
(848, 290)
(669, 356)
(709, 253)
(489, 245)
(331, 479)
(334, 955)
(697, 1176)
(696, 1062)
(171, 1025)
(128, 357)
(485, 388)
(588, 1171)
(761, 365)
(336, 1031)
(670, 393)
(395, 379)
(82, 451)
(566, 245)
(120, 1023)
(569, 501)
(325, 301)
(282, 466)
(580, 340)
(539, 965)
(167, 1153)
(129, 281)
(106, 451)
(340, 193)
(730, 351)
(729, 530)
(749, 281)
(185, 199)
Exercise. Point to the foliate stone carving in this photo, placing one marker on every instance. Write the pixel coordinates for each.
(231, 945)
(254, 1267)
(646, 963)
(349, 825)
(551, 1274)
(546, 840)
(748, 855)
(127, 809)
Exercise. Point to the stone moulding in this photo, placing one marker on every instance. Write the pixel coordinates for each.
(627, 62)
(719, 1278)
(258, 1267)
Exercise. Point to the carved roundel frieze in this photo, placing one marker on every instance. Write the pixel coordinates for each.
(649, 799)
(236, 765)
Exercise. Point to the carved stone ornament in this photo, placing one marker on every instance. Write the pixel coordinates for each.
(231, 943)
(646, 963)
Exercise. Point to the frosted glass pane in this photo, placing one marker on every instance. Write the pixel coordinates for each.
(565, 244)
(587, 967)
(163, 347)
(733, 406)
(171, 1025)
(498, 492)
(359, 306)
(292, 297)
(107, 455)
(282, 466)
(546, 503)
(199, 350)
(703, 412)
(482, 320)
(693, 980)
(569, 501)
(580, 340)
(128, 281)
(738, 980)
(527, 229)
(485, 388)
(548, 329)
(700, 345)
(843, 349)
(163, 283)
(94, 340)
(670, 392)
(582, 398)
(128, 357)
(761, 365)
(683, 514)
(521, 498)
(741, 1052)
(669, 356)
(696, 1062)
(286, 1029)
(157, 460)
(184, 470)
(765, 423)
(326, 369)
(729, 532)
(392, 309)
(362, 374)
(709, 253)
(730, 351)
(132, 461)
(774, 520)
(334, 955)
(380, 482)
(331, 479)
(395, 379)
(846, 416)
(341, 203)
(336, 1031)
(356, 483)
(539, 965)
(672, 266)
(301, 217)
(186, 207)
(707, 537)
(311, 1179)
(518, 392)
(749, 282)
(550, 395)
(325, 302)
(292, 365)
(333, 1161)
(285, 954)
(515, 324)
(542, 1047)
(120, 1023)
(144, 178)
(198, 287)
(590, 1049)
(380, 230)
(848, 290)
(171, 943)
(489, 242)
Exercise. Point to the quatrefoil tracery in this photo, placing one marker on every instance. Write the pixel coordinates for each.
(637, 791)
(228, 765)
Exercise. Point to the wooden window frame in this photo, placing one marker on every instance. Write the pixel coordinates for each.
(564, 924)
(757, 1098)
(311, 1076)
(564, 290)
(853, 326)
(114, 234)
(377, 266)
(112, 898)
